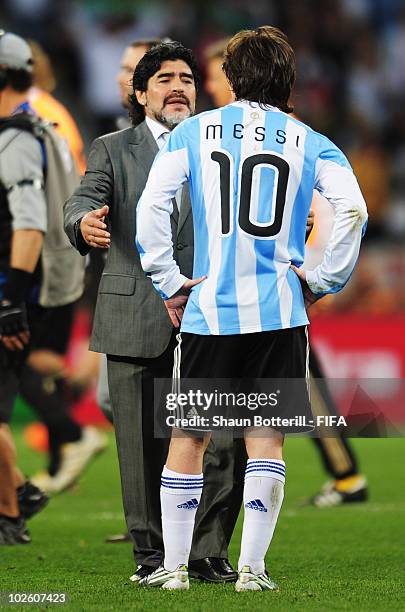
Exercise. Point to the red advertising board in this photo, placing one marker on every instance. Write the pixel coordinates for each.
(366, 354)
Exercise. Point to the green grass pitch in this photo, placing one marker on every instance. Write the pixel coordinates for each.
(347, 558)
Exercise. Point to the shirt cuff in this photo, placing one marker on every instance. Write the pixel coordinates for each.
(169, 288)
(81, 244)
(311, 278)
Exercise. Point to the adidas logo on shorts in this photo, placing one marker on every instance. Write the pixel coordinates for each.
(256, 504)
(192, 504)
(193, 412)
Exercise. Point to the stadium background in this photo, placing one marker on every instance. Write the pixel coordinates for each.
(351, 86)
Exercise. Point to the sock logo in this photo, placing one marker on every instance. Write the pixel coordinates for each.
(191, 504)
(256, 504)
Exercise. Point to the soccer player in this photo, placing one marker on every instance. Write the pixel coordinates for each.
(252, 170)
(339, 459)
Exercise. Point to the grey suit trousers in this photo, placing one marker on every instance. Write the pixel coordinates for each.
(142, 457)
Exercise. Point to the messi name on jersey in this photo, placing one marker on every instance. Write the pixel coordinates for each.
(237, 131)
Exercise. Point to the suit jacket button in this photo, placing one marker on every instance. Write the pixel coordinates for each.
(180, 246)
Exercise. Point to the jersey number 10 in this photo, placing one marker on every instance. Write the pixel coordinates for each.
(226, 163)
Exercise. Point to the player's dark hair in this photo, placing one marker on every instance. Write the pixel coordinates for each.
(260, 67)
(19, 80)
(150, 64)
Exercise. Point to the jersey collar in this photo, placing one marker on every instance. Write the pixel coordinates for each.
(251, 104)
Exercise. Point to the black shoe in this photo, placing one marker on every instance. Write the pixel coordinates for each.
(142, 572)
(212, 569)
(225, 569)
(118, 539)
(13, 531)
(31, 500)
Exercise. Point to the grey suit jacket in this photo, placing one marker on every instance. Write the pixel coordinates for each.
(130, 318)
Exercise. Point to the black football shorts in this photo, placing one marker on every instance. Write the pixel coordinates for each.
(271, 363)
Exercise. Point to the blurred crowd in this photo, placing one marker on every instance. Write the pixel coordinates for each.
(83, 56)
(350, 86)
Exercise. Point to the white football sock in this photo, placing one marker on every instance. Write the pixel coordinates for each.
(262, 498)
(180, 495)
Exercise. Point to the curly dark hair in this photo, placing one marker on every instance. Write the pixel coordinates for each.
(260, 67)
(150, 64)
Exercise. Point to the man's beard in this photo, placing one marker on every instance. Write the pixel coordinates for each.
(173, 119)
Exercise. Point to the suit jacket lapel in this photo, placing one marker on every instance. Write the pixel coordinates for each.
(175, 213)
(144, 147)
(185, 208)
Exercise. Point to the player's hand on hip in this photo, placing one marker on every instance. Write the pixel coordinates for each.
(176, 304)
(309, 297)
(190, 283)
(94, 228)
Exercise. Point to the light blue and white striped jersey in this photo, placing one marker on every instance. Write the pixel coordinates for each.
(252, 173)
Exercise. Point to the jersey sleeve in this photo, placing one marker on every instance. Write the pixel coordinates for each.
(334, 179)
(22, 175)
(154, 235)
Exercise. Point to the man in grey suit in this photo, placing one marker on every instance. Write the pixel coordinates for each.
(131, 324)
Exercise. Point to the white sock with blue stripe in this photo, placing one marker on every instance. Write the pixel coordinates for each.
(262, 498)
(180, 495)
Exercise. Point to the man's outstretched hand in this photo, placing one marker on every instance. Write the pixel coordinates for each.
(93, 228)
(309, 297)
(177, 303)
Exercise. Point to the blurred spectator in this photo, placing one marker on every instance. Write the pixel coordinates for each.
(350, 58)
(101, 32)
(394, 60)
(371, 166)
(49, 108)
(216, 83)
(129, 60)
(365, 79)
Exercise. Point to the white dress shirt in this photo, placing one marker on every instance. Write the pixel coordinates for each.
(161, 134)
